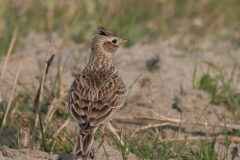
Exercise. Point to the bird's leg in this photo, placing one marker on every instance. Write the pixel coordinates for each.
(105, 135)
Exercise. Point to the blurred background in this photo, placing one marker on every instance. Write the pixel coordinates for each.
(182, 57)
(139, 20)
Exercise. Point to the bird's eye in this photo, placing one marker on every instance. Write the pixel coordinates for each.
(114, 41)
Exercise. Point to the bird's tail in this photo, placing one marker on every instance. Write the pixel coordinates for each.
(84, 143)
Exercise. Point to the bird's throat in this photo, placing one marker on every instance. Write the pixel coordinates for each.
(100, 61)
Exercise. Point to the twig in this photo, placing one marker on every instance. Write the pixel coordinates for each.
(38, 98)
(9, 51)
(219, 138)
(148, 126)
(10, 100)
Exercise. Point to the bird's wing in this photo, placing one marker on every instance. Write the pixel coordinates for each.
(109, 104)
(90, 113)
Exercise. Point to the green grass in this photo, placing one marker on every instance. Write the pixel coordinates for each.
(148, 146)
(132, 19)
(222, 87)
(205, 151)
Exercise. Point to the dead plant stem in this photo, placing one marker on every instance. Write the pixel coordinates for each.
(9, 52)
(10, 100)
(38, 98)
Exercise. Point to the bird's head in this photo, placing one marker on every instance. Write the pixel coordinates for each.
(107, 41)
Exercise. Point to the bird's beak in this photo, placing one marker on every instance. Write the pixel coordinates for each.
(124, 41)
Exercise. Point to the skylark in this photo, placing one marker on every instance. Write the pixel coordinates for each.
(98, 92)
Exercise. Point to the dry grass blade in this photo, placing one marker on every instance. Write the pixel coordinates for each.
(53, 108)
(110, 127)
(60, 78)
(149, 126)
(187, 122)
(9, 51)
(124, 118)
(170, 40)
(10, 100)
(38, 98)
(218, 138)
(58, 132)
(178, 121)
(56, 106)
(46, 68)
(61, 128)
(50, 110)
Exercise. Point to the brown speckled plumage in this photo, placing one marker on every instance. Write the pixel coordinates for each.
(98, 92)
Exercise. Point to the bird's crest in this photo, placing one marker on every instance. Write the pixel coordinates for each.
(105, 32)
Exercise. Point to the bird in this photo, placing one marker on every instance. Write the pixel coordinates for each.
(98, 92)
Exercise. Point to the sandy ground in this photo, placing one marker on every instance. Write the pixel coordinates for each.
(27, 154)
(166, 91)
